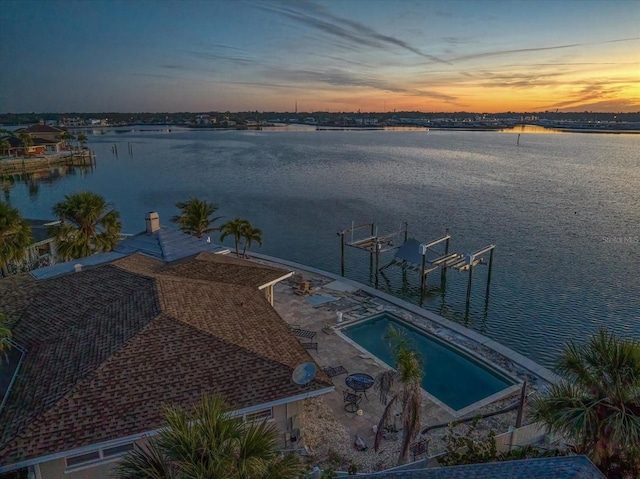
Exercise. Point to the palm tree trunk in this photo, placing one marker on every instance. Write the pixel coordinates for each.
(5, 270)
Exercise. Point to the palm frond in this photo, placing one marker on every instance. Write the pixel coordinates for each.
(195, 216)
(148, 462)
(598, 405)
(88, 225)
(15, 234)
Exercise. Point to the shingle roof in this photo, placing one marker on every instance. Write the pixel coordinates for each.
(226, 269)
(568, 467)
(39, 129)
(109, 346)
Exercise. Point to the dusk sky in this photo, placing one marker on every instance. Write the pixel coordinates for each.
(218, 55)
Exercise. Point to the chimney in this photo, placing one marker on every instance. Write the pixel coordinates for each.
(77, 267)
(152, 222)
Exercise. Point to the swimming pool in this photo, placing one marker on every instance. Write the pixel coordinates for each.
(452, 376)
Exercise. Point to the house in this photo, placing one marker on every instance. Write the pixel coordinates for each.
(43, 131)
(46, 139)
(100, 350)
(14, 145)
(42, 250)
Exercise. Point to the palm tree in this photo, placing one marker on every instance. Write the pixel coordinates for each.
(251, 234)
(66, 137)
(5, 146)
(88, 225)
(5, 338)
(235, 228)
(194, 218)
(597, 403)
(15, 236)
(82, 139)
(210, 442)
(401, 387)
(27, 141)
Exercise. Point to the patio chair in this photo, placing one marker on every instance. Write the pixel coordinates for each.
(303, 289)
(302, 333)
(334, 371)
(351, 400)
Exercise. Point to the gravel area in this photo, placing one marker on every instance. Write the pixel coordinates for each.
(331, 446)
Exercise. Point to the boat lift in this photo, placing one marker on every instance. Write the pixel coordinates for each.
(374, 244)
(458, 262)
(420, 257)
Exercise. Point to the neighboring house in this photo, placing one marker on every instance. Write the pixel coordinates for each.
(101, 350)
(45, 146)
(568, 467)
(41, 252)
(46, 139)
(45, 132)
(16, 148)
(15, 145)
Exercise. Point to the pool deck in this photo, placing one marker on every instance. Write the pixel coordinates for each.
(317, 311)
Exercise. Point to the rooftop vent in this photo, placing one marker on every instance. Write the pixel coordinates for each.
(77, 267)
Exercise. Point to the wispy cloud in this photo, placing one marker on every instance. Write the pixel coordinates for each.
(630, 39)
(592, 92)
(338, 77)
(495, 53)
(613, 106)
(347, 30)
(237, 60)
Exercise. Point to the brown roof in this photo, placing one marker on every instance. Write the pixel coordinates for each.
(225, 269)
(133, 336)
(40, 129)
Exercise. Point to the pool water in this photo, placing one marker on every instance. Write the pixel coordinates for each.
(451, 376)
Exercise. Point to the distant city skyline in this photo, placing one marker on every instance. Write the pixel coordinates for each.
(369, 55)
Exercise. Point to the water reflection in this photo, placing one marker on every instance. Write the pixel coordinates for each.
(34, 180)
(530, 129)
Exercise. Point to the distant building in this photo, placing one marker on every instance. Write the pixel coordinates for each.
(72, 122)
(97, 122)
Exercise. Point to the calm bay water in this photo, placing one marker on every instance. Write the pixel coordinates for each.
(563, 210)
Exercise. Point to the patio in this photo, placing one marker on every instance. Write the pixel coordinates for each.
(329, 430)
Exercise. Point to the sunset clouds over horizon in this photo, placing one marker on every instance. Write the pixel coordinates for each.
(368, 55)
